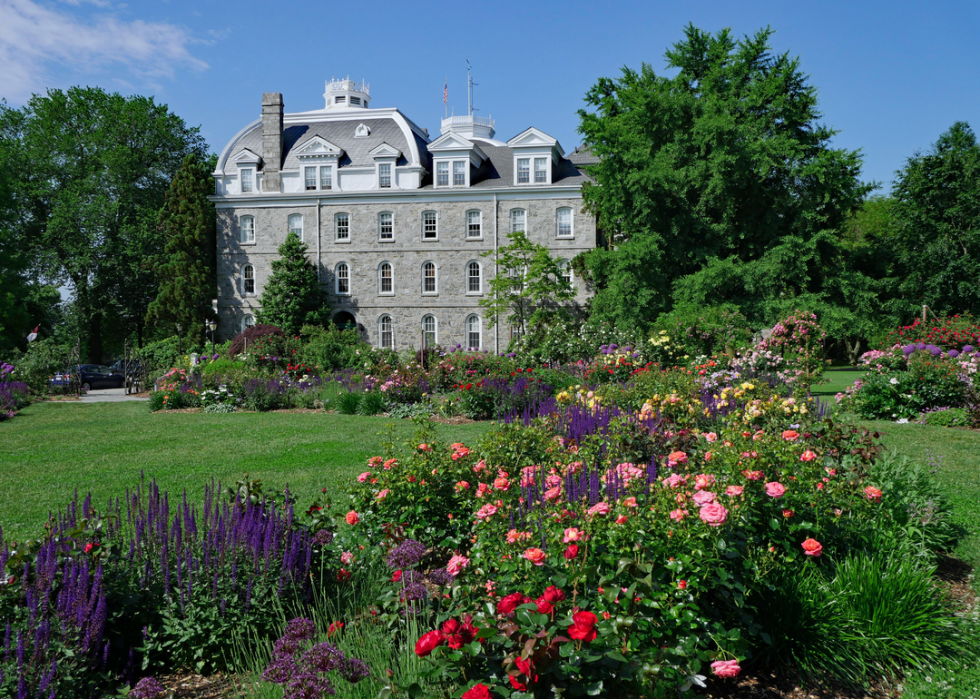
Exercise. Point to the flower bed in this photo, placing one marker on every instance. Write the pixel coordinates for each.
(14, 395)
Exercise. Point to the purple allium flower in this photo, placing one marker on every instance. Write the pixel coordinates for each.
(299, 629)
(920, 345)
(323, 538)
(406, 554)
(908, 349)
(440, 576)
(415, 591)
(147, 688)
(613, 346)
(967, 349)
(353, 670)
(953, 354)
(935, 351)
(627, 349)
(323, 657)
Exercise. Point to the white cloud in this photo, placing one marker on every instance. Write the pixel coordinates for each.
(33, 38)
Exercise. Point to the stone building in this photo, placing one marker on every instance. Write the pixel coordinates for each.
(396, 222)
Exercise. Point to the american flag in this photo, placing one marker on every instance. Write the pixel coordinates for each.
(445, 92)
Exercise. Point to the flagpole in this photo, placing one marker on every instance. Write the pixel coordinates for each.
(445, 97)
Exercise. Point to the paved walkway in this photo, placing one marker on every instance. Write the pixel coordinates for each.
(108, 395)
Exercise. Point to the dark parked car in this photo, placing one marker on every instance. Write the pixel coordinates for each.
(93, 376)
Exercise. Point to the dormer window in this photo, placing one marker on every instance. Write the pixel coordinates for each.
(326, 180)
(442, 174)
(310, 177)
(540, 170)
(247, 175)
(459, 173)
(384, 175)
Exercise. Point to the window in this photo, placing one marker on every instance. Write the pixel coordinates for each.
(326, 178)
(518, 220)
(246, 175)
(386, 226)
(474, 224)
(473, 281)
(429, 278)
(430, 225)
(247, 322)
(340, 100)
(518, 276)
(442, 174)
(523, 170)
(342, 226)
(473, 332)
(564, 223)
(248, 280)
(565, 270)
(248, 229)
(384, 279)
(296, 225)
(384, 175)
(309, 174)
(386, 330)
(459, 173)
(355, 101)
(429, 329)
(540, 170)
(342, 276)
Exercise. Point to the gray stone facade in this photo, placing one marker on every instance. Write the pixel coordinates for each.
(364, 252)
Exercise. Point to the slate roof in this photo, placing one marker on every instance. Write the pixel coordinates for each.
(498, 170)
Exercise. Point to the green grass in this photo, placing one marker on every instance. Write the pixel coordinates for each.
(50, 449)
(836, 381)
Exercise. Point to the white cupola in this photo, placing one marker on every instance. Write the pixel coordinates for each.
(346, 94)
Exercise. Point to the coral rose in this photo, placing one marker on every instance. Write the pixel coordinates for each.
(676, 458)
(812, 547)
(352, 518)
(583, 626)
(535, 556)
(477, 691)
(775, 489)
(725, 668)
(753, 475)
(808, 456)
(364, 476)
(872, 493)
(791, 435)
(621, 519)
(678, 514)
(428, 643)
(714, 514)
(734, 490)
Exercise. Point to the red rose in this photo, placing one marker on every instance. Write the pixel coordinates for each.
(397, 576)
(583, 626)
(428, 643)
(343, 575)
(89, 547)
(477, 691)
(553, 594)
(571, 552)
(544, 606)
(517, 684)
(509, 603)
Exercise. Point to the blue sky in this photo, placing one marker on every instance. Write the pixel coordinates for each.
(891, 76)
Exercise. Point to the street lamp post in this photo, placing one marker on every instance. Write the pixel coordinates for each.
(180, 346)
(211, 326)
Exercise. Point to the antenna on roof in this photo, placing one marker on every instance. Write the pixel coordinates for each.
(470, 84)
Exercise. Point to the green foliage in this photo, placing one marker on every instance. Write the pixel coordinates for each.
(371, 404)
(43, 359)
(938, 237)
(721, 171)
(528, 291)
(293, 296)
(160, 355)
(331, 348)
(952, 417)
(186, 269)
(348, 403)
(703, 330)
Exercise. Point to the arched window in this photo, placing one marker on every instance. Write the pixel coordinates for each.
(385, 284)
(430, 328)
(248, 280)
(474, 281)
(565, 270)
(474, 224)
(564, 222)
(247, 322)
(342, 277)
(518, 220)
(386, 226)
(248, 229)
(296, 225)
(474, 332)
(386, 332)
(429, 279)
(341, 224)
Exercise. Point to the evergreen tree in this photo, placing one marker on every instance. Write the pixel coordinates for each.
(293, 296)
(186, 269)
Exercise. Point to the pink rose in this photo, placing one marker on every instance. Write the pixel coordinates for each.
(703, 480)
(808, 456)
(573, 534)
(703, 497)
(535, 556)
(725, 668)
(791, 435)
(462, 485)
(629, 502)
(734, 490)
(775, 489)
(714, 514)
(872, 493)
(552, 494)
(352, 518)
(501, 484)
(456, 564)
(364, 476)
(486, 511)
(600, 508)
(674, 481)
(812, 547)
(347, 558)
(382, 495)
(753, 475)
(711, 437)
(678, 514)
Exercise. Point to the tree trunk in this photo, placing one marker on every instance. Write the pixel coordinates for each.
(95, 338)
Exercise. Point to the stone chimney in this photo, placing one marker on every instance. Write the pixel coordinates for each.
(271, 141)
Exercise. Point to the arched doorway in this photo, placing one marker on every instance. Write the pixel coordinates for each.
(345, 321)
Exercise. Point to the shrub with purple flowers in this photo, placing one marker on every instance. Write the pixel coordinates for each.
(304, 668)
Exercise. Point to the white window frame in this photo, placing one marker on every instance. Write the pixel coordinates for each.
(246, 176)
(514, 211)
(566, 271)
(518, 172)
(245, 322)
(543, 171)
(434, 332)
(468, 331)
(381, 332)
(479, 222)
(461, 166)
(336, 278)
(436, 215)
(291, 229)
(533, 159)
(248, 266)
(336, 227)
(311, 176)
(448, 165)
(435, 278)
(381, 177)
(571, 222)
(246, 223)
(391, 279)
(391, 224)
(328, 170)
(468, 277)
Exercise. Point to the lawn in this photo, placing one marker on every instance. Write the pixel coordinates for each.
(50, 449)
(835, 381)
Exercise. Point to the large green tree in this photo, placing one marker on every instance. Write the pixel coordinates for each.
(721, 170)
(938, 226)
(92, 169)
(293, 296)
(186, 269)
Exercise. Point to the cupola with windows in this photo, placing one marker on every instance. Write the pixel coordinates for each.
(347, 94)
